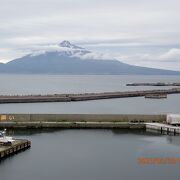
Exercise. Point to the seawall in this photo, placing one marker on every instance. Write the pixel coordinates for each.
(82, 97)
(78, 120)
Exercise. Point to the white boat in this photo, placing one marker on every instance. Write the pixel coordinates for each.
(5, 140)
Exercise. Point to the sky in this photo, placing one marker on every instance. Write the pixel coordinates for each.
(139, 32)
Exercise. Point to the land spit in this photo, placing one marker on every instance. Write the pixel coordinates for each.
(78, 120)
(83, 97)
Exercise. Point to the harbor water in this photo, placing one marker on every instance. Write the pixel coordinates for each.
(57, 84)
(92, 155)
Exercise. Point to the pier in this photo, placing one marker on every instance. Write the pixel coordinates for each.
(15, 147)
(84, 96)
(163, 128)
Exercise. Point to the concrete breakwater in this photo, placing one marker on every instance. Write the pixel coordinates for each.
(78, 120)
(156, 96)
(83, 97)
(154, 84)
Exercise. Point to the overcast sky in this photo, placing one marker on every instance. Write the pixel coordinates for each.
(140, 32)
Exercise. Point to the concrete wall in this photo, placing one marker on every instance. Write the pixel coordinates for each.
(96, 117)
(83, 97)
(77, 120)
(132, 118)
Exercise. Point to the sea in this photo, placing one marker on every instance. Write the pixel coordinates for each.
(90, 154)
(58, 84)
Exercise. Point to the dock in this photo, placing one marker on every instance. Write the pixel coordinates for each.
(83, 96)
(161, 127)
(17, 146)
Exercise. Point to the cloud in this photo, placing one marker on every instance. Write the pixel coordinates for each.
(170, 59)
(167, 60)
(97, 24)
(173, 55)
(96, 56)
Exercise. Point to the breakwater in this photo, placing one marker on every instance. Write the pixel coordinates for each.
(153, 84)
(78, 120)
(156, 96)
(83, 97)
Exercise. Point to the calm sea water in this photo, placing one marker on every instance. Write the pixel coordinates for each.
(92, 155)
(89, 154)
(49, 84)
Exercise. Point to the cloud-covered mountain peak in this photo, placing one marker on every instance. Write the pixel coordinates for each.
(67, 44)
(63, 48)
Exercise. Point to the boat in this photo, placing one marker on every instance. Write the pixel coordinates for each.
(5, 140)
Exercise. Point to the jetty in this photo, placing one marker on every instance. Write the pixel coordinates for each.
(163, 128)
(17, 146)
(83, 96)
(161, 122)
(153, 84)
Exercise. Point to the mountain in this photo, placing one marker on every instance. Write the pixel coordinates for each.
(71, 59)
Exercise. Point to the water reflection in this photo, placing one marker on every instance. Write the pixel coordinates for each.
(175, 140)
(91, 155)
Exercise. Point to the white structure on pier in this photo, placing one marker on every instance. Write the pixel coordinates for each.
(173, 119)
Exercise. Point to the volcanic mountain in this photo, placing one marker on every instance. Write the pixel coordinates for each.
(68, 58)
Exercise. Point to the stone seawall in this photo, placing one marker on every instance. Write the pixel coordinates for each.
(78, 120)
